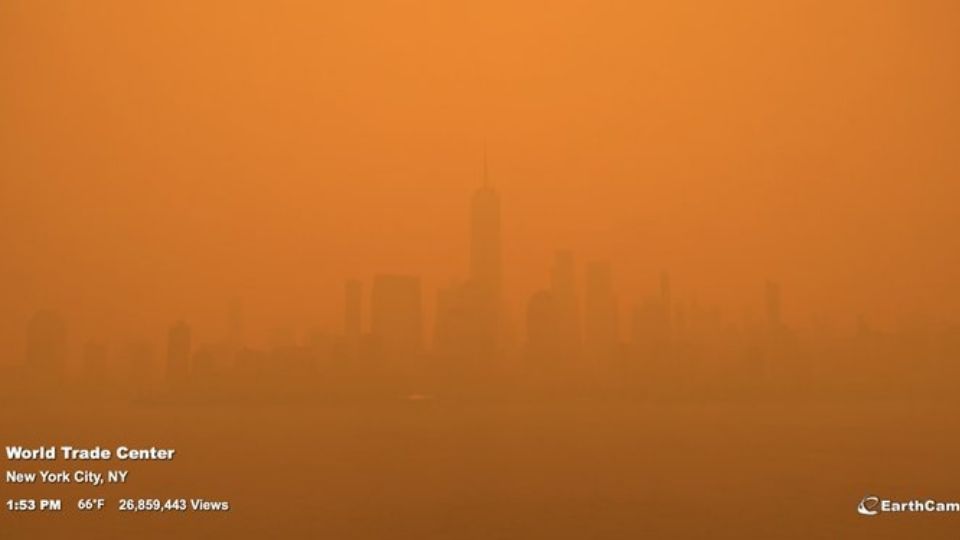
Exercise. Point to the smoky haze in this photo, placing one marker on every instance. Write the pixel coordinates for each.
(424, 269)
(157, 162)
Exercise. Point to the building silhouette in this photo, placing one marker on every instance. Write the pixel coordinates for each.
(485, 242)
(485, 284)
(553, 316)
(469, 323)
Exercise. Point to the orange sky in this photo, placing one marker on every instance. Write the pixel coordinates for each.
(156, 161)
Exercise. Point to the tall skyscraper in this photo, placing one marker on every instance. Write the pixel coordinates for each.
(469, 315)
(396, 317)
(46, 344)
(485, 248)
(485, 283)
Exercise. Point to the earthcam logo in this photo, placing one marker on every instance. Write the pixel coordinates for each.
(868, 505)
(872, 505)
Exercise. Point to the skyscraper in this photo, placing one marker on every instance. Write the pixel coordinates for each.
(485, 249)
(469, 315)
(553, 316)
(485, 283)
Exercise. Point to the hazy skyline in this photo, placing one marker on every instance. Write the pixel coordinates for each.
(156, 163)
(422, 269)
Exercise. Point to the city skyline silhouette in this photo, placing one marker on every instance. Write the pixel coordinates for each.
(572, 334)
(428, 270)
